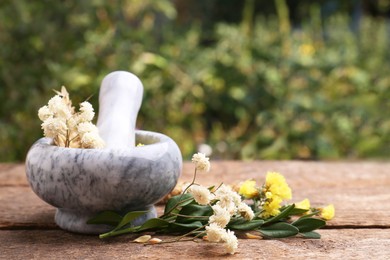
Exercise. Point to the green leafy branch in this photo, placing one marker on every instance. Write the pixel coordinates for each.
(183, 215)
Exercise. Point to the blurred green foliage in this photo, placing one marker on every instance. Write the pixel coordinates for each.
(251, 90)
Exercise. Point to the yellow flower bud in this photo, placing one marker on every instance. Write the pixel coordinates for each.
(248, 189)
(327, 212)
(304, 204)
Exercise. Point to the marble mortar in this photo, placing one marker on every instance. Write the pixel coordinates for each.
(83, 182)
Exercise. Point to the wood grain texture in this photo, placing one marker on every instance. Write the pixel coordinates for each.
(57, 244)
(360, 192)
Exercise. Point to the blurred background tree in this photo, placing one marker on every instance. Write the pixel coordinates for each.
(282, 79)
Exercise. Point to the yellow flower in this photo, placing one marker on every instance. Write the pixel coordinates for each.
(248, 189)
(275, 191)
(304, 204)
(271, 207)
(327, 212)
(277, 185)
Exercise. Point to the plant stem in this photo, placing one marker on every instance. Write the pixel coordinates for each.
(189, 233)
(189, 216)
(179, 239)
(67, 142)
(116, 233)
(182, 194)
(177, 204)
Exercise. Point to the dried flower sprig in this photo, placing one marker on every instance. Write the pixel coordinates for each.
(216, 213)
(66, 127)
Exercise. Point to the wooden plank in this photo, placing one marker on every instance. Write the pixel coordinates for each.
(360, 191)
(21, 208)
(57, 244)
(12, 174)
(299, 174)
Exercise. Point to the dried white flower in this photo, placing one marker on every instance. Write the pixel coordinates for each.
(86, 127)
(87, 113)
(221, 216)
(214, 232)
(54, 102)
(229, 206)
(44, 113)
(67, 128)
(72, 123)
(59, 107)
(245, 211)
(231, 242)
(201, 194)
(91, 140)
(201, 162)
(54, 126)
(228, 198)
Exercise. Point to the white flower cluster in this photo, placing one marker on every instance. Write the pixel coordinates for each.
(226, 204)
(201, 162)
(201, 194)
(67, 128)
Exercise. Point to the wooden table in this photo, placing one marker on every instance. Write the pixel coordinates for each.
(360, 192)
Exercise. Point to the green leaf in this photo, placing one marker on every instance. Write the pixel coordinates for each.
(184, 227)
(211, 188)
(129, 217)
(247, 225)
(298, 211)
(279, 230)
(153, 223)
(283, 214)
(237, 221)
(117, 232)
(185, 199)
(106, 217)
(310, 214)
(194, 210)
(308, 224)
(311, 234)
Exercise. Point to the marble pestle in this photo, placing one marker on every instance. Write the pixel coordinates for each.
(120, 99)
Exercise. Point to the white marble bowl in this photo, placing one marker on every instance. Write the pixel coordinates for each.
(82, 182)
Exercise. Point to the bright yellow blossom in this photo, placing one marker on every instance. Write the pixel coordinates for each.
(271, 207)
(327, 212)
(304, 204)
(275, 190)
(248, 189)
(277, 185)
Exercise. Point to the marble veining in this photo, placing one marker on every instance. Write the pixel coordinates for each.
(82, 182)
